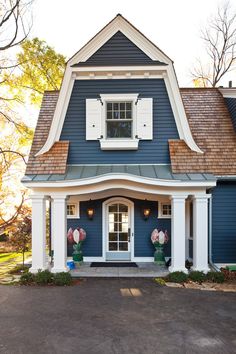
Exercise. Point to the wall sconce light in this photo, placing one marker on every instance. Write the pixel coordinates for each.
(146, 213)
(90, 213)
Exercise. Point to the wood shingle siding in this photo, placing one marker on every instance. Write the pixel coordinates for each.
(213, 131)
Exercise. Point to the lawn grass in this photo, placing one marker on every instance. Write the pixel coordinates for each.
(12, 256)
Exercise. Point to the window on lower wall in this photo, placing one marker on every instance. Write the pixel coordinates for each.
(72, 210)
(164, 210)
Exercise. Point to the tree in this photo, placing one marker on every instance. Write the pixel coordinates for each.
(220, 42)
(40, 68)
(20, 233)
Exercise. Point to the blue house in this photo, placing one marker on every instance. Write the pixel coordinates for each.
(121, 150)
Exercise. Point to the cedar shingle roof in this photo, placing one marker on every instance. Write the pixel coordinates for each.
(212, 130)
(54, 161)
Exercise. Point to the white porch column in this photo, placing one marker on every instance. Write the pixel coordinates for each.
(178, 233)
(200, 233)
(59, 233)
(38, 233)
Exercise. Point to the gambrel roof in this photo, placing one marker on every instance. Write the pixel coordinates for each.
(209, 120)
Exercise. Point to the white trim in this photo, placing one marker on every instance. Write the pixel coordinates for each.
(223, 265)
(119, 24)
(119, 97)
(105, 205)
(143, 259)
(121, 176)
(119, 144)
(228, 92)
(160, 213)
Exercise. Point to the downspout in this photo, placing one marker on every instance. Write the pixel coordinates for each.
(212, 265)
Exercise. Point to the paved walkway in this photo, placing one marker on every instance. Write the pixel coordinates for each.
(147, 270)
(116, 316)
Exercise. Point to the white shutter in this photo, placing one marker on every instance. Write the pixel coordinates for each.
(144, 118)
(93, 119)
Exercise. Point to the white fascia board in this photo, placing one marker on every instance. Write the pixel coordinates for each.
(124, 177)
(228, 92)
(178, 109)
(128, 68)
(119, 24)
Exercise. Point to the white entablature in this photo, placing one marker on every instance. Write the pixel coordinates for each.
(165, 71)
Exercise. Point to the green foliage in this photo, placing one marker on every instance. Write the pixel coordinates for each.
(18, 269)
(215, 277)
(27, 278)
(177, 277)
(197, 276)
(62, 278)
(160, 281)
(41, 68)
(43, 277)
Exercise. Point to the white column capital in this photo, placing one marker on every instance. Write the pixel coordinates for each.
(58, 197)
(39, 197)
(179, 197)
(201, 198)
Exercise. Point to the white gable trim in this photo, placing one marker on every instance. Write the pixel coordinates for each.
(120, 24)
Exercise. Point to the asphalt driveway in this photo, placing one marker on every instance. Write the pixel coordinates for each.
(116, 316)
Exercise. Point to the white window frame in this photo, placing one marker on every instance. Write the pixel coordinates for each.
(77, 210)
(160, 210)
(119, 143)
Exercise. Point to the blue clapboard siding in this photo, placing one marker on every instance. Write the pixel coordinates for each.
(118, 50)
(143, 247)
(224, 222)
(231, 104)
(89, 152)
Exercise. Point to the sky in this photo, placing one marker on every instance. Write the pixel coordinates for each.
(173, 25)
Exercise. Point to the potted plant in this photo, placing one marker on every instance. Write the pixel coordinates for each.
(159, 238)
(76, 238)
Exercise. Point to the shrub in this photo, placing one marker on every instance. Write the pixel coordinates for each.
(215, 277)
(18, 269)
(229, 275)
(177, 277)
(27, 278)
(160, 281)
(43, 277)
(62, 278)
(197, 276)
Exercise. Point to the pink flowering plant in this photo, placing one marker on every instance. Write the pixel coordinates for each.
(159, 238)
(76, 238)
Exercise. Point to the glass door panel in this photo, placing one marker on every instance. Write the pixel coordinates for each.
(118, 227)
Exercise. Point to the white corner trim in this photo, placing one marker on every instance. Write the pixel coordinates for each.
(119, 24)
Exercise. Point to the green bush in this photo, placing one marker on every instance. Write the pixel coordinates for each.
(44, 277)
(18, 269)
(197, 276)
(160, 281)
(177, 277)
(215, 277)
(62, 278)
(27, 278)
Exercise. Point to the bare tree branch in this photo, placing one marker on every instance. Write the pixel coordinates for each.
(220, 43)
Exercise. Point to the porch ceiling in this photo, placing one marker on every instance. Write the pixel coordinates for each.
(80, 172)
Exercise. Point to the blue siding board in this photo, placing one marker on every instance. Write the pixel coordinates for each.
(224, 222)
(231, 104)
(118, 50)
(143, 247)
(89, 152)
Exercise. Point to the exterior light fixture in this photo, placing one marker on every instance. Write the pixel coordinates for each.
(146, 213)
(90, 213)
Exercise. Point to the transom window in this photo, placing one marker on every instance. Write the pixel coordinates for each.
(119, 119)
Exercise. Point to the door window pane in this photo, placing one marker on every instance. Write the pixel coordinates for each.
(113, 236)
(113, 246)
(123, 236)
(123, 246)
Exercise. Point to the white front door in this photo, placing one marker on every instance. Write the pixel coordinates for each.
(118, 231)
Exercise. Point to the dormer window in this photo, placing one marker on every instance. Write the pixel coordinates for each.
(119, 120)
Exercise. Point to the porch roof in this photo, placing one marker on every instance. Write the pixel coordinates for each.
(79, 172)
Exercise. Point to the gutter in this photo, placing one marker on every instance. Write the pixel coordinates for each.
(211, 263)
